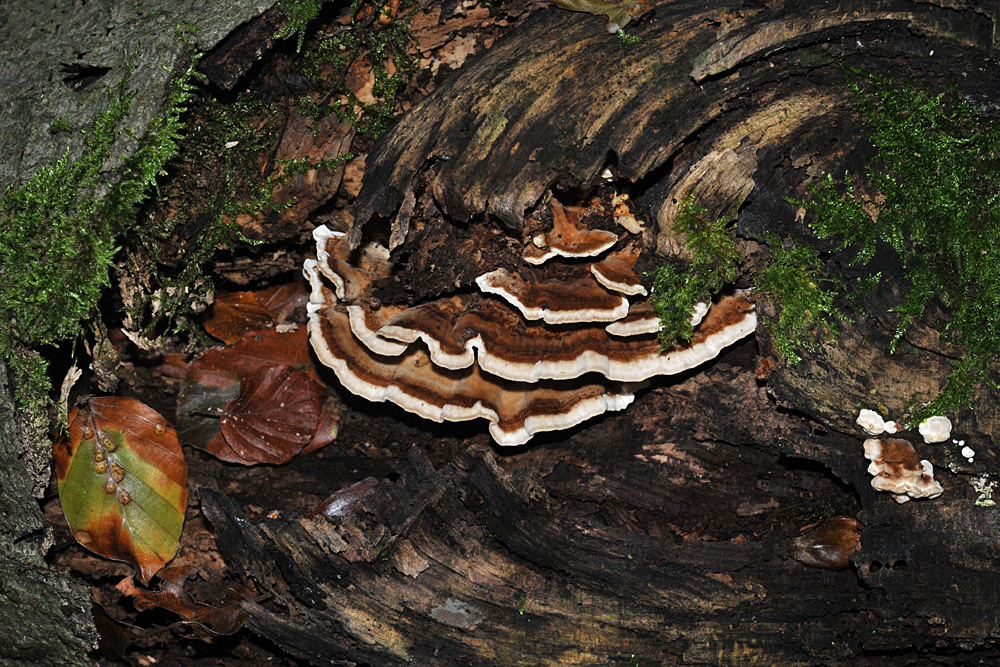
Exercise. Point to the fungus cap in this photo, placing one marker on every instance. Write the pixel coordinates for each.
(537, 358)
(460, 331)
(565, 299)
(935, 429)
(567, 238)
(897, 469)
(516, 411)
(615, 272)
(871, 422)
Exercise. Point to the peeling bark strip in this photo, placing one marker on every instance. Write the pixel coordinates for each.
(493, 137)
(762, 36)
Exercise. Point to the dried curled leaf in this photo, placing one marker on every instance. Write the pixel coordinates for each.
(122, 482)
(236, 313)
(172, 596)
(273, 419)
(265, 347)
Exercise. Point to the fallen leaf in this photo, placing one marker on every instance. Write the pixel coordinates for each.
(113, 636)
(265, 347)
(201, 401)
(222, 620)
(122, 482)
(284, 301)
(326, 432)
(234, 314)
(274, 417)
(217, 378)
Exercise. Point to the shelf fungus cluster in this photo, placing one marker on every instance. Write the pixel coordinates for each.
(896, 468)
(564, 336)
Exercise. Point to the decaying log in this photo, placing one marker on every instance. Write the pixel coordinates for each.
(556, 100)
(472, 565)
(661, 532)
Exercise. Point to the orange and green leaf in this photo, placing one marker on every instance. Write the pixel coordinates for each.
(122, 482)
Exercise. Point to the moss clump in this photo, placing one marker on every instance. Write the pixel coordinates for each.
(627, 39)
(713, 264)
(937, 176)
(384, 41)
(300, 14)
(163, 268)
(806, 314)
(59, 232)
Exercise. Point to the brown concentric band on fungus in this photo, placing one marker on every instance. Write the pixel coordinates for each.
(567, 238)
(573, 297)
(516, 411)
(615, 272)
(474, 355)
(507, 346)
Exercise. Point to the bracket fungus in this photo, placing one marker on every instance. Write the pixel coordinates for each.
(935, 429)
(871, 422)
(897, 469)
(541, 347)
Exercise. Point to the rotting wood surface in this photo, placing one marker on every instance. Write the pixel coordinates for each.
(661, 532)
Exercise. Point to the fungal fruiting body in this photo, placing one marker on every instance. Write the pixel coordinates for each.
(935, 429)
(540, 347)
(897, 469)
(871, 422)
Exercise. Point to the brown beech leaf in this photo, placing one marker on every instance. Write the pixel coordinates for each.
(122, 482)
(217, 378)
(265, 347)
(223, 620)
(275, 416)
(284, 301)
(234, 314)
(326, 432)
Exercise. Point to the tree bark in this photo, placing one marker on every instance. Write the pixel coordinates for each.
(58, 61)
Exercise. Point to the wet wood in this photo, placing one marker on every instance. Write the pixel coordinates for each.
(471, 564)
(242, 48)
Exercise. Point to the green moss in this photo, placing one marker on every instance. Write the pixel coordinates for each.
(300, 15)
(676, 289)
(806, 314)
(937, 176)
(164, 265)
(59, 232)
(627, 39)
(220, 176)
(388, 50)
(60, 124)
